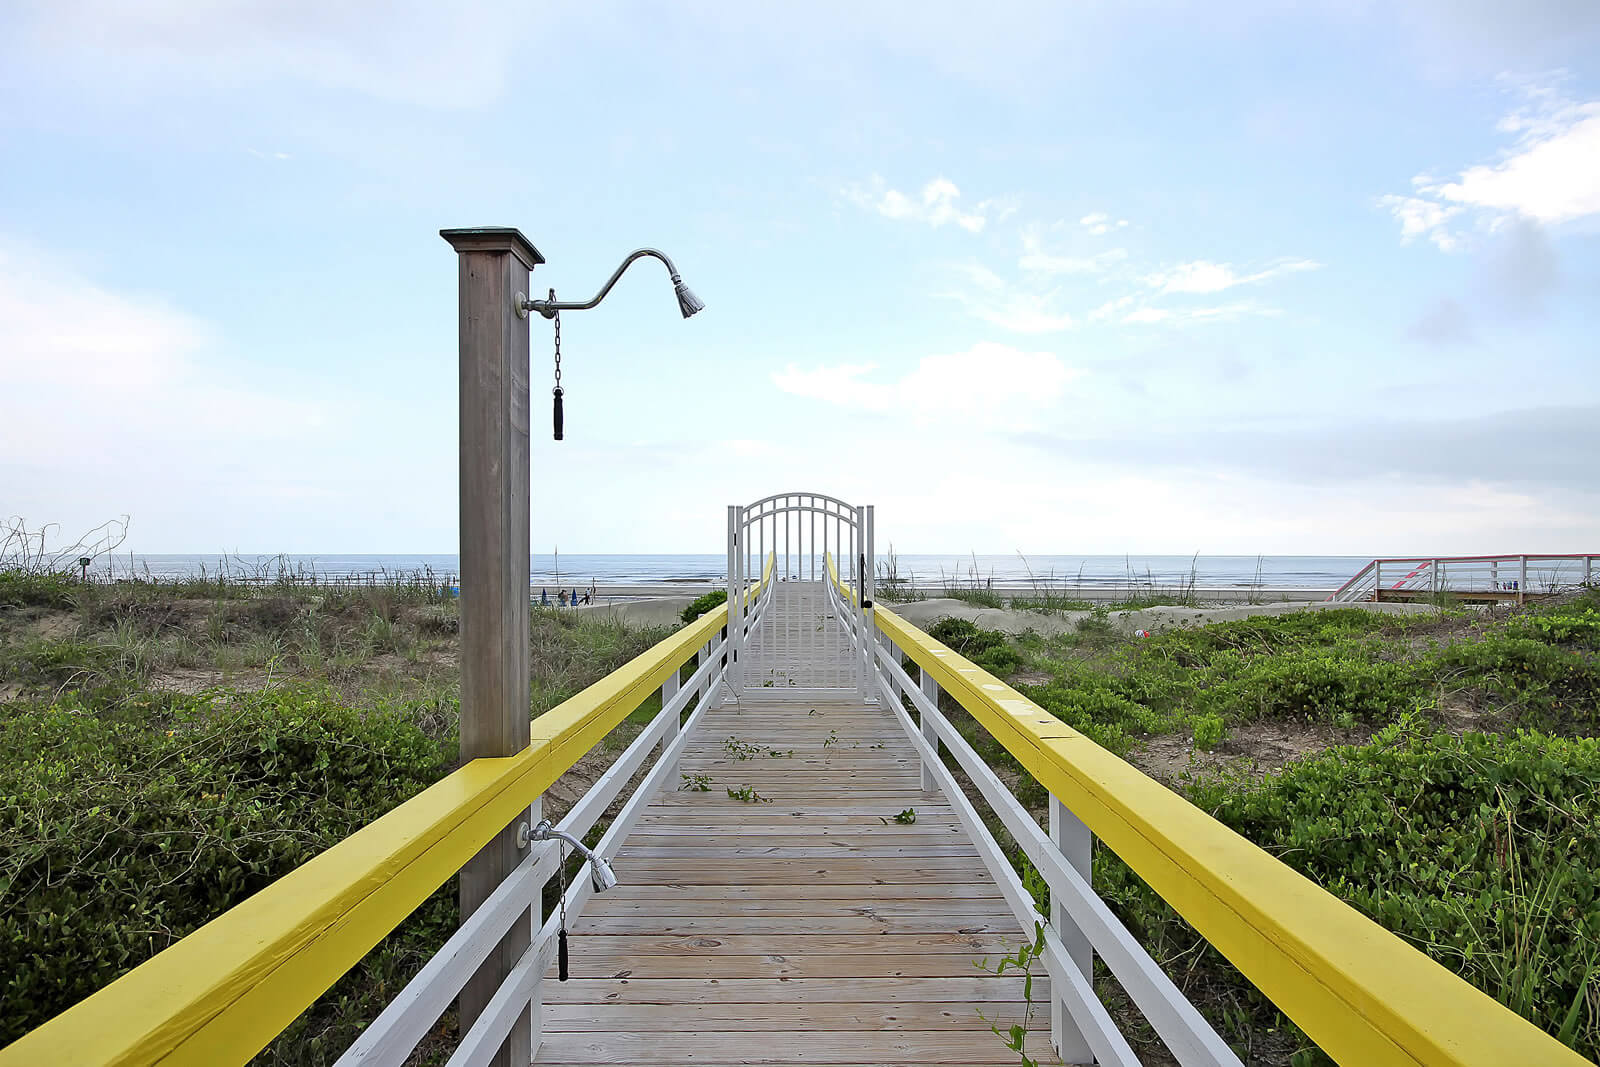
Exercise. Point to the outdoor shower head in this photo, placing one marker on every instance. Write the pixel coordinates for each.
(600, 873)
(688, 303)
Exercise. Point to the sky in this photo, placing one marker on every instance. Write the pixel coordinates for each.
(1232, 278)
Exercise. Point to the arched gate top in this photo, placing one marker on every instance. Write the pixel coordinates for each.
(841, 510)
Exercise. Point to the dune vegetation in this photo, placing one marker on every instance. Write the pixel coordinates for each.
(171, 747)
(1440, 773)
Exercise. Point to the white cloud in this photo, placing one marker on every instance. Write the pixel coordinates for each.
(1037, 260)
(935, 205)
(432, 54)
(1216, 313)
(993, 299)
(1000, 208)
(1554, 176)
(1111, 309)
(63, 332)
(108, 387)
(1203, 276)
(1551, 174)
(1423, 218)
(990, 383)
(1099, 223)
(1025, 313)
(1024, 307)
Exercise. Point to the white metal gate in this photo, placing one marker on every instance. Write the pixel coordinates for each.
(801, 648)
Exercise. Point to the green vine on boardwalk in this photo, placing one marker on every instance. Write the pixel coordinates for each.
(1015, 1036)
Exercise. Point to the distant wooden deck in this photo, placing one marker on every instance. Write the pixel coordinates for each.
(1467, 596)
(809, 927)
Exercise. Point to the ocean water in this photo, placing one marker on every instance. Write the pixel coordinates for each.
(1314, 572)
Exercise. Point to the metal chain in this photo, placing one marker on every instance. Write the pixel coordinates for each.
(561, 879)
(557, 320)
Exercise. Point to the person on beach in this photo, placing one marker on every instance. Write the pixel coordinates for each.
(561, 597)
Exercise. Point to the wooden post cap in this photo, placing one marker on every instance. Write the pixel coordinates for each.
(494, 239)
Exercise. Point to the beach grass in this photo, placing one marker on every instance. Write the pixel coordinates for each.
(1299, 731)
(1388, 757)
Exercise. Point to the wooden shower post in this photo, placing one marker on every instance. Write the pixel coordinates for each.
(494, 265)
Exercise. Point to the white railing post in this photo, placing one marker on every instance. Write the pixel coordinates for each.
(882, 639)
(865, 565)
(535, 917)
(930, 689)
(1377, 580)
(1433, 576)
(1588, 570)
(1076, 843)
(669, 689)
(1522, 582)
(735, 596)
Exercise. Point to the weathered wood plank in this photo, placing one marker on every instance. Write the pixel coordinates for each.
(798, 872)
(811, 929)
(587, 960)
(728, 899)
(945, 943)
(871, 922)
(848, 1015)
(788, 1047)
(978, 989)
(891, 834)
(862, 849)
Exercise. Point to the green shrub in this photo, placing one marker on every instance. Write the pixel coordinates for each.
(1089, 702)
(1265, 635)
(123, 831)
(976, 596)
(1311, 684)
(1096, 624)
(1571, 626)
(1481, 850)
(67, 661)
(986, 648)
(1548, 687)
(703, 604)
(23, 588)
(962, 636)
(571, 650)
(1209, 731)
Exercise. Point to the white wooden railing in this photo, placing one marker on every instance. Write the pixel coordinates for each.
(1468, 577)
(394, 1034)
(1080, 924)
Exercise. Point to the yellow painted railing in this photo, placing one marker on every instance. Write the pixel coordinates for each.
(1362, 994)
(221, 994)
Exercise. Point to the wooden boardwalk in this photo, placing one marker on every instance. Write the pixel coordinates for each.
(805, 927)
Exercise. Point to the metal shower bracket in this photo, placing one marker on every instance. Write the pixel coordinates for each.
(688, 303)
